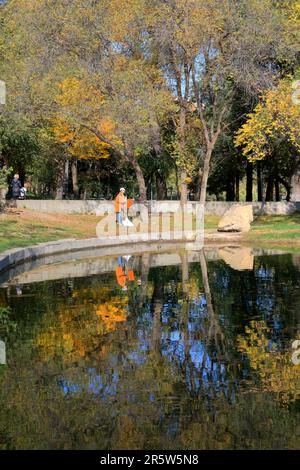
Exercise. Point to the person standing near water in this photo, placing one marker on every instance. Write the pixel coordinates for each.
(121, 206)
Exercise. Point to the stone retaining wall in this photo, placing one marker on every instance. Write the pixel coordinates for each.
(101, 207)
(259, 208)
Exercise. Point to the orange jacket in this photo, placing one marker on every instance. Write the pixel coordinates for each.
(130, 203)
(120, 199)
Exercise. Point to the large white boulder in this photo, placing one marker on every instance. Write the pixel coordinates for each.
(237, 219)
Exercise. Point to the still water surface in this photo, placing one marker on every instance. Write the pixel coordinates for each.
(152, 352)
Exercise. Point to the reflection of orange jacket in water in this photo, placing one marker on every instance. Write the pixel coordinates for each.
(121, 276)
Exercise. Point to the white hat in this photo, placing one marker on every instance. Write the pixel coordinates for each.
(122, 189)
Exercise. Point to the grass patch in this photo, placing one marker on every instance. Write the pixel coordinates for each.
(283, 229)
(291, 235)
(27, 236)
(211, 221)
(18, 231)
(276, 222)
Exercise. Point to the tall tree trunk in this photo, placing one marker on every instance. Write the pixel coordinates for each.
(277, 190)
(286, 186)
(205, 174)
(74, 171)
(230, 189)
(259, 181)
(270, 188)
(62, 178)
(249, 184)
(237, 186)
(183, 188)
(161, 187)
(198, 184)
(177, 180)
(294, 193)
(59, 188)
(140, 178)
(183, 175)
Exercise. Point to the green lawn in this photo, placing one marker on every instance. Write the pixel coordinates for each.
(13, 234)
(270, 231)
(24, 228)
(277, 228)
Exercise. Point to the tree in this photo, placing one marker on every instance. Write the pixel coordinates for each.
(272, 131)
(135, 97)
(80, 142)
(210, 49)
(275, 119)
(125, 118)
(177, 58)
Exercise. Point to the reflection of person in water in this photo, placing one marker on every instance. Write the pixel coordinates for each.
(19, 290)
(124, 271)
(2, 353)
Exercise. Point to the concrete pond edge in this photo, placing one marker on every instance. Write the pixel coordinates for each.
(141, 243)
(16, 261)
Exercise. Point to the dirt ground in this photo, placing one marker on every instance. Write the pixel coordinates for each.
(83, 225)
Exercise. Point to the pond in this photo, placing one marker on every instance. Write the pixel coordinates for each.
(178, 350)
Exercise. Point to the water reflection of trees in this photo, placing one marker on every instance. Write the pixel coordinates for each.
(170, 376)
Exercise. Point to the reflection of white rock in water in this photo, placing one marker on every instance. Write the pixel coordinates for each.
(237, 219)
(2, 353)
(296, 260)
(2, 92)
(238, 258)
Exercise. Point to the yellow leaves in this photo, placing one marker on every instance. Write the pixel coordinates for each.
(124, 16)
(275, 116)
(111, 314)
(74, 91)
(80, 328)
(81, 143)
(275, 368)
(80, 118)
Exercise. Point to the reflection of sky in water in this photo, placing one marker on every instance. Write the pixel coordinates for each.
(197, 352)
(265, 302)
(95, 384)
(264, 273)
(203, 369)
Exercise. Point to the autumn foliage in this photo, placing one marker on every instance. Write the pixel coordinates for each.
(80, 141)
(275, 118)
(275, 369)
